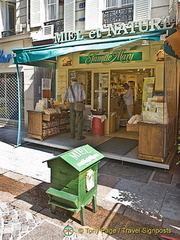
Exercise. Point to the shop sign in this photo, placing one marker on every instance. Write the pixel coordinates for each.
(5, 58)
(82, 157)
(118, 29)
(116, 56)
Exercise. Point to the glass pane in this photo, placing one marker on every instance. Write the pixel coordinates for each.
(52, 12)
(51, 1)
(11, 17)
(101, 91)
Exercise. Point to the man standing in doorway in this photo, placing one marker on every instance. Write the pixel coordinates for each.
(128, 99)
(75, 116)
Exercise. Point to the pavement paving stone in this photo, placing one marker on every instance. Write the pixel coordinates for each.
(175, 179)
(151, 198)
(13, 175)
(107, 181)
(142, 217)
(174, 225)
(127, 171)
(16, 222)
(148, 198)
(44, 185)
(47, 215)
(124, 192)
(30, 180)
(163, 177)
(45, 231)
(102, 191)
(171, 206)
(26, 206)
(2, 170)
(110, 206)
(7, 197)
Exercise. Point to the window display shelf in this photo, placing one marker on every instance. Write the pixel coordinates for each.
(41, 125)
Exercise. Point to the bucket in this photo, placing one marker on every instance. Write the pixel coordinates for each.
(97, 127)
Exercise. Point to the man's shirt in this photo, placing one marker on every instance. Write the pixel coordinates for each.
(79, 93)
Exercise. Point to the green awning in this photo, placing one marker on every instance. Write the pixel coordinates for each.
(31, 55)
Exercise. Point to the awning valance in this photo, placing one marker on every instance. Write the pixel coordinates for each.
(31, 55)
(172, 43)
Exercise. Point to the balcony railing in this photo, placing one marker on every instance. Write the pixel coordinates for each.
(123, 14)
(58, 25)
(8, 33)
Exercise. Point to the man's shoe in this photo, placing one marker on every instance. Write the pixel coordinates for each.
(81, 138)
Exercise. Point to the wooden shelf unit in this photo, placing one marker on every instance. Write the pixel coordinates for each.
(42, 126)
(152, 142)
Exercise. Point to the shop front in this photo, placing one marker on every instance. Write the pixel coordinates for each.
(9, 101)
(102, 66)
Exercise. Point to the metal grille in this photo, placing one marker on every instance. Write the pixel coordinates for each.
(118, 15)
(9, 97)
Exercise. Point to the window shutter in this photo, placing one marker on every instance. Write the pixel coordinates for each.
(37, 12)
(69, 15)
(93, 14)
(172, 9)
(142, 9)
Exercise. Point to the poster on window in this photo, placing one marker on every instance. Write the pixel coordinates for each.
(46, 84)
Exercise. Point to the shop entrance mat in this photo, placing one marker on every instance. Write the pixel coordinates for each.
(117, 145)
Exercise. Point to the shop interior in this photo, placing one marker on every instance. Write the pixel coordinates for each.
(107, 96)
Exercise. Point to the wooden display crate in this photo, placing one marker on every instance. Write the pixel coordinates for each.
(132, 127)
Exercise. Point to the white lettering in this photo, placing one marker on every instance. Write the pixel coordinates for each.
(122, 29)
(117, 29)
(155, 24)
(78, 34)
(77, 153)
(87, 160)
(92, 34)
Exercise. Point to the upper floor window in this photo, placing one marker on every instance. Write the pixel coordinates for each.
(127, 2)
(52, 9)
(8, 16)
(111, 3)
(118, 3)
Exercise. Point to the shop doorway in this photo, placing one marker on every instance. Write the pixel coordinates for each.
(135, 79)
(84, 78)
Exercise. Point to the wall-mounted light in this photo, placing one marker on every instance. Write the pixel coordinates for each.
(145, 42)
(133, 48)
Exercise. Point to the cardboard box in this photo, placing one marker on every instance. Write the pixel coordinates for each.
(132, 127)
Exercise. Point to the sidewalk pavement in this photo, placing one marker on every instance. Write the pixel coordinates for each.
(144, 194)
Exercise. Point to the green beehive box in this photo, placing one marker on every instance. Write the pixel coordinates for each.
(74, 179)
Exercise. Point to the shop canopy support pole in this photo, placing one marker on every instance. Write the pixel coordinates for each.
(18, 143)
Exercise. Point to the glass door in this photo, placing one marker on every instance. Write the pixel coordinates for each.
(101, 95)
(101, 82)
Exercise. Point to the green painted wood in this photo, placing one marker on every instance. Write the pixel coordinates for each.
(61, 194)
(68, 180)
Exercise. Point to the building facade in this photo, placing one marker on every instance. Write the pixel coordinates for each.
(27, 23)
